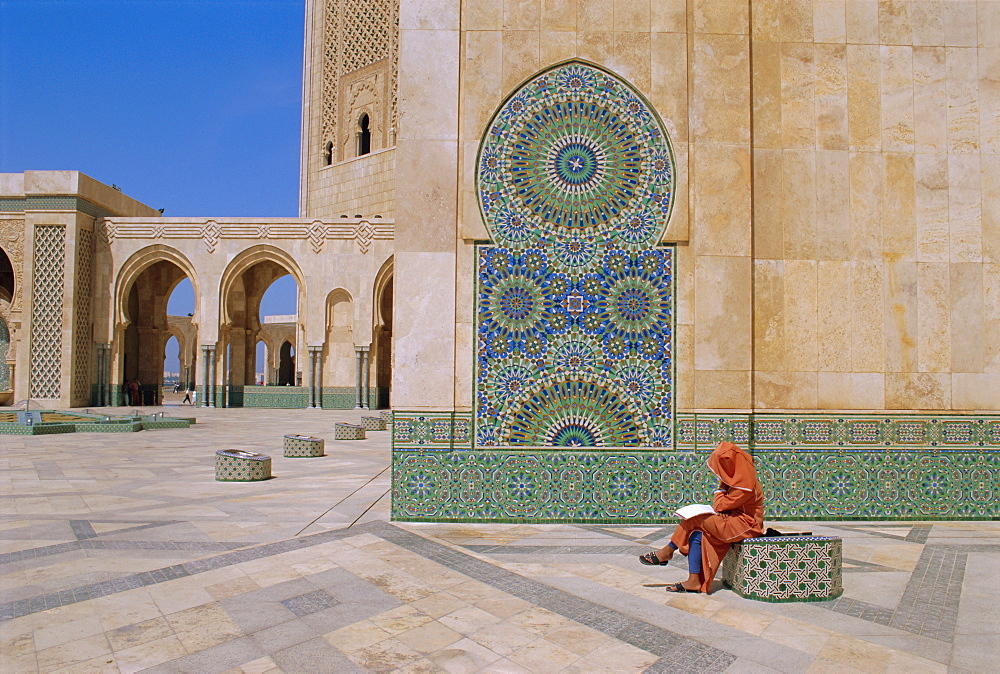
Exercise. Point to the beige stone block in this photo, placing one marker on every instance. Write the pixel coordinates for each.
(830, 21)
(482, 15)
(991, 318)
(931, 214)
(797, 20)
(833, 210)
(632, 15)
(975, 391)
(785, 390)
(595, 15)
(897, 98)
(472, 225)
(798, 105)
(423, 332)
(833, 317)
(927, 22)
(631, 59)
(934, 317)
(482, 87)
(862, 21)
(721, 199)
(721, 16)
(991, 207)
(428, 94)
(596, 47)
(917, 391)
(768, 228)
(769, 315)
(894, 22)
(963, 95)
(863, 97)
(831, 96)
(723, 307)
(520, 57)
(960, 24)
(669, 87)
(765, 20)
(521, 14)
(867, 315)
(767, 100)
(720, 389)
(558, 15)
(988, 20)
(967, 317)
(720, 101)
(989, 98)
(798, 204)
(866, 205)
(430, 15)
(557, 46)
(898, 218)
(901, 316)
(801, 334)
(677, 229)
(428, 202)
(930, 99)
(851, 390)
(965, 207)
(684, 284)
(684, 355)
(668, 16)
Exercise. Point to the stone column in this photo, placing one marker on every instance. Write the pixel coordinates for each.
(364, 376)
(315, 376)
(357, 380)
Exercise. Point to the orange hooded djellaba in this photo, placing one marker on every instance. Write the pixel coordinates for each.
(739, 511)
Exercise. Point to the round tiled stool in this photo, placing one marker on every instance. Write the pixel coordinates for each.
(348, 432)
(373, 423)
(296, 446)
(235, 465)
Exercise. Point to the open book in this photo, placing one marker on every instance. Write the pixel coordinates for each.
(694, 509)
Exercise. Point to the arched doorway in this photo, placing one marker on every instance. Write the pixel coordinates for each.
(382, 336)
(286, 365)
(6, 301)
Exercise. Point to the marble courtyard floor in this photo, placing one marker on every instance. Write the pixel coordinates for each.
(122, 553)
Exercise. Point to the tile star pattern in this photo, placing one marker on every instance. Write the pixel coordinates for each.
(574, 312)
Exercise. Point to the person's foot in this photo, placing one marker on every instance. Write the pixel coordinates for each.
(652, 559)
(681, 587)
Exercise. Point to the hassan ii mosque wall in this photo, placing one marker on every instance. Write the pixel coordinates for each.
(576, 243)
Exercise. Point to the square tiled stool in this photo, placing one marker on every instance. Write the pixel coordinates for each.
(235, 465)
(348, 432)
(373, 423)
(386, 417)
(785, 568)
(303, 446)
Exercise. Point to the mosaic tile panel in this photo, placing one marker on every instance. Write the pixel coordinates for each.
(302, 446)
(5, 383)
(279, 397)
(83, 343)
(431, 431)
(235, 465)
(574, 309)
(47, 290)
(339, 397)
(619, 486)
(785, 569)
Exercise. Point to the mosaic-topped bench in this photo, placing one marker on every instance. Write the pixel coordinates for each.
(348, 432)
(373, 423)
(303, 446)
(386, 417)
(785, 568)
(235, 465)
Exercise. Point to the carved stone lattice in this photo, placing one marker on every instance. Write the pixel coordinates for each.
(331, 71)
(367, 28)
(12, 242)
(83, 327)
(47, 291)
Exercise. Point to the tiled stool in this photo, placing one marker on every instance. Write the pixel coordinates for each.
(785, 568)
(348, 432)
(235, 465)
(373, 423)
(303, 446)
(386, 417)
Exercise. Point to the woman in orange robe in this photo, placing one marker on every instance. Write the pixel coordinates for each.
(705, 539)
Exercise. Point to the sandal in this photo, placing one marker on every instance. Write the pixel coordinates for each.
(650, 559)
(679, 587)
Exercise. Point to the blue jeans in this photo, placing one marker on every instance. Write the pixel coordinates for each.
(694, 552)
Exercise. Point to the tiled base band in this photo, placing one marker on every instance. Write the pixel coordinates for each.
(785, 568)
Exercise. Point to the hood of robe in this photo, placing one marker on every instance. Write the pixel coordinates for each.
(733, 466)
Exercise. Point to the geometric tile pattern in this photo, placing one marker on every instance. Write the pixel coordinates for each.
(343, 431)
(785, 568)
(574, 310)
(302, 446)
(83, 340)
(366, 34)
(4, 345)
(235, 465)
(373, 423)
(45, 365)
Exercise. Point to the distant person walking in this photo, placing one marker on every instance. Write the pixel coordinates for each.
(187, 397)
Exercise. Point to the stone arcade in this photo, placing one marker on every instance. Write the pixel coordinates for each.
(575, 245)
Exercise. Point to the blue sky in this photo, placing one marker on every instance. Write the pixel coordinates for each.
(193, 106)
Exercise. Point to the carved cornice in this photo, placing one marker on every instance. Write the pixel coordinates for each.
(12, 241)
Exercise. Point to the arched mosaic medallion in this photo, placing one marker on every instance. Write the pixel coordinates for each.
(574, 310)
